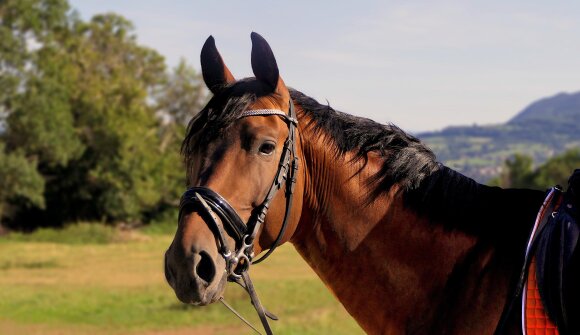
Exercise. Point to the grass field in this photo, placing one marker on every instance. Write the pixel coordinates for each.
(113, 283)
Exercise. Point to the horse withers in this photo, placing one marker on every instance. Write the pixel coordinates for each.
(406, 244)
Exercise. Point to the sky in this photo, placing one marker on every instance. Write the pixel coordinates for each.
(422, 65)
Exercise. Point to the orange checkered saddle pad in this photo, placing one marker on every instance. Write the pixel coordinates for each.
(551, 294)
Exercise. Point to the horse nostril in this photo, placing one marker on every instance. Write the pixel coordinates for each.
(205, 269)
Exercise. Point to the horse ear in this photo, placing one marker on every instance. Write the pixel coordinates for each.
(215, 73)
(263, 62)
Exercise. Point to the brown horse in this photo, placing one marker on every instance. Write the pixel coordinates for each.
(406, 244)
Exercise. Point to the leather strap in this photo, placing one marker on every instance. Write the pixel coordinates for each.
(216, 223)
(256, 302)
(290, 189)
(219, 205)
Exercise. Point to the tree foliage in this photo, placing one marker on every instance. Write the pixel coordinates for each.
(20, 181)
(180, 96)
(92, 113)
(518, 171)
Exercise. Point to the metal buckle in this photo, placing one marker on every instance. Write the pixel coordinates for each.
(243, 258)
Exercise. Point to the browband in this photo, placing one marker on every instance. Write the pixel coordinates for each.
(266, 112)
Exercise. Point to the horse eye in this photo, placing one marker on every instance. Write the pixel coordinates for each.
(267, 148)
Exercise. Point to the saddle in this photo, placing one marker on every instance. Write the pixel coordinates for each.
(555, 268)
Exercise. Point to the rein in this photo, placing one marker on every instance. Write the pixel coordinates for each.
(223, 219)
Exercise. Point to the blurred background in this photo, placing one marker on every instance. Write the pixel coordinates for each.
(95, 97)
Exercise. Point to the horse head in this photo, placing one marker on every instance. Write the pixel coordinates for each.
(241, 154)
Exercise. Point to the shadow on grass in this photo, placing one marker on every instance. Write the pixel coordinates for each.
(87, 234)
(50, 264)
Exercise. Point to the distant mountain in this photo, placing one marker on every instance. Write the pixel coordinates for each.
(545, 128)
(562, 107)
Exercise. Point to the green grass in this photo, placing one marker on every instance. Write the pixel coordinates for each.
(119, 288)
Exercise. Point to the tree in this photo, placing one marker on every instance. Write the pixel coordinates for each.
(23, 24)
(93, 113)
(182, 96)
(518, 171)
(20, 181)
(557, 170)
(177, 101)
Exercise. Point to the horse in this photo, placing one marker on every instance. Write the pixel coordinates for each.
(406, 244)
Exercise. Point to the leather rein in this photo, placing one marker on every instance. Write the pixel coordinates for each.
(223, 219)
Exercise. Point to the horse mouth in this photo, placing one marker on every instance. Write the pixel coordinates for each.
(201, 295)
(208, 299)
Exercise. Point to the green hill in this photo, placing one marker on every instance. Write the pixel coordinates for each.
(563, 107)
(545, 128)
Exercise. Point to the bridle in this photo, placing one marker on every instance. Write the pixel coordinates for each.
(223, 219)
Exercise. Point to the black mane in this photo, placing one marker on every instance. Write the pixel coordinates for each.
(406, 160)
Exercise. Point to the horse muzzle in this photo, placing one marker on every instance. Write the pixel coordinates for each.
(198, 278)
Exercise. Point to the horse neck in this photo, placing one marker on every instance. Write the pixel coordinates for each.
(394, 270)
